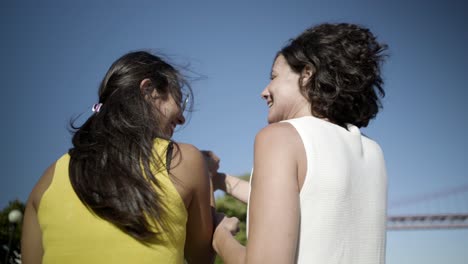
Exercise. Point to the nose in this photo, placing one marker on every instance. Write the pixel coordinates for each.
(180, 119)
(265, 94)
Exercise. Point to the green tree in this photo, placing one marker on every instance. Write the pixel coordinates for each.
(230, 206)
(6, 228)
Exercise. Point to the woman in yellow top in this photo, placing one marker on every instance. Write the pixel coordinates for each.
(125, 193)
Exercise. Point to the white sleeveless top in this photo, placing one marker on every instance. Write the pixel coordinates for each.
(343, 199)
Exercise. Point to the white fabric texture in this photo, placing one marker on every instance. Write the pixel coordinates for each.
(344, 196)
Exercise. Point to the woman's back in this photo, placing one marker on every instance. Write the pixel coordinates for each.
(343, 198)
(318, 191)
(71, 233)
(110, 199)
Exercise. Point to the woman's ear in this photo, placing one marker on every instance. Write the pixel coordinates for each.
(306, 74)
(145, 86)
(147, 89)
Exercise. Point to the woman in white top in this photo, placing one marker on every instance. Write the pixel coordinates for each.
(318, 190)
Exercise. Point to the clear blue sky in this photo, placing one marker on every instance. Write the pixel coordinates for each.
(54, 54)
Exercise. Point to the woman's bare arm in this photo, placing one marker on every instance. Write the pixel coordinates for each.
(193, 173)
(31, 237)
(274, 202)
(232, 185)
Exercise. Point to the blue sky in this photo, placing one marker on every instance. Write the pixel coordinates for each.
(54, 54)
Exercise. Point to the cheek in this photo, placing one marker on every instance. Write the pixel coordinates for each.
(160, 112)
(164, 109)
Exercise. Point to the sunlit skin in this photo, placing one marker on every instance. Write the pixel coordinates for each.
(283, 95)
(280, 167)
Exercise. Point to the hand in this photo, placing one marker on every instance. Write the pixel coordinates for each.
(229, 223)
(224, 226)
(217, 178)
(212, 162)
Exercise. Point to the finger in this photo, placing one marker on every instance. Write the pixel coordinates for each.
(210, 154)
(214, 156)
(206, 153)
(235, 230)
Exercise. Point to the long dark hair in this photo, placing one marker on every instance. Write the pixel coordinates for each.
(345, 60)
(113, 164)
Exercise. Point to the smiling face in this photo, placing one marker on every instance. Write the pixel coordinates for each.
(171, 115)
(167, 110)
(283, 95)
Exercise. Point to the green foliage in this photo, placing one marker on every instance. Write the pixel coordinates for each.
(233, 207)
(6, 228)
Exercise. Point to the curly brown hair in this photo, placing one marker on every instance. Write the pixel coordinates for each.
(346, 85)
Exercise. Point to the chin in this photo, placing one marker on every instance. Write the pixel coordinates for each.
(168, 134)
(271, 120)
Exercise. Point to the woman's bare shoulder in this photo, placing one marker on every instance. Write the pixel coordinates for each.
(189, 164)
(278, 132)
(41, 186)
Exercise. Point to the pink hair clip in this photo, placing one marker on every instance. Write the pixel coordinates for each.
(97, 107)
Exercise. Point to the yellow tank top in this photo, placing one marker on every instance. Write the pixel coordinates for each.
(73, 234)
